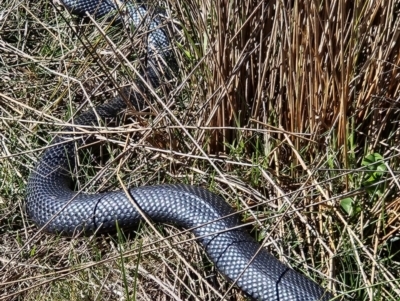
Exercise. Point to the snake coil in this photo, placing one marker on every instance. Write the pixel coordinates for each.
(52, 203)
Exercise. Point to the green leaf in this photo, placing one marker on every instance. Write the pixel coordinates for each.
(371, 159)
(381, 168)
(376, 167)
(347, 205)
(32, 252)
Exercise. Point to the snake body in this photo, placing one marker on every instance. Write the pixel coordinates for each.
(52, 204)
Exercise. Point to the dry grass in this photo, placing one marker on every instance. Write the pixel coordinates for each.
(286, 99)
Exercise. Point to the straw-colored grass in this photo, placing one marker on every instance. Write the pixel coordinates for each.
(288, 109)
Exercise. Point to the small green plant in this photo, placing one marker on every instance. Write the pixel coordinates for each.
(349, 205)
(376, 168)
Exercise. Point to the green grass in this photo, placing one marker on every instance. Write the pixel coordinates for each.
(293, 117)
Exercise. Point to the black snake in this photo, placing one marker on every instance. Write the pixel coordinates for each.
(52, 203)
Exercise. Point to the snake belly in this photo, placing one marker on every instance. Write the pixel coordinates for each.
(52, 204)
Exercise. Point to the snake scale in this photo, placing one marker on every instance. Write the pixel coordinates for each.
(51, 203)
